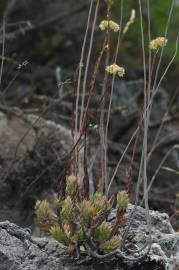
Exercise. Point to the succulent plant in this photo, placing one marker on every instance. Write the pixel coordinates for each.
(43, 211)
(57, 233)
(87, 212)
(102, 233)
(70, 185)
(111, 245)
(67, 209)
(122, 200)
(74, 223)
(98, 202)
(78, 220)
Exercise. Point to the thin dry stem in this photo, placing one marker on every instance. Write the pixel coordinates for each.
(88, 61)
(81, 66)
(3, 50)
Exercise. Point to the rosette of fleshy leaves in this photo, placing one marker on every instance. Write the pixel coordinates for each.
(70, 219)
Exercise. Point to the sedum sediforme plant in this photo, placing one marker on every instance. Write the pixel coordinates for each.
(76, 221)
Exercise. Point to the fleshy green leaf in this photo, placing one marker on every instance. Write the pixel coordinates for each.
(67, 209)
(58, 234)
(122, 200)
(102, 232)
(111, 245)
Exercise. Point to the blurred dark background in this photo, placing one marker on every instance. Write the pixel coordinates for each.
(42, 41)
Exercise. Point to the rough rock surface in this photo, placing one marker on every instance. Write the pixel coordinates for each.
(32, 152)
(19, 250)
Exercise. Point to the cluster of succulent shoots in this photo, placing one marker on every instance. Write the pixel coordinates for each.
(82, 223)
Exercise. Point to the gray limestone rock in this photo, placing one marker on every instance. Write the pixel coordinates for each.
(32, 154)
(19, 250)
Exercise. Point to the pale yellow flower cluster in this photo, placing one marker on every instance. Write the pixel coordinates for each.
(157, 43)
(115, 70)
(109, 25)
